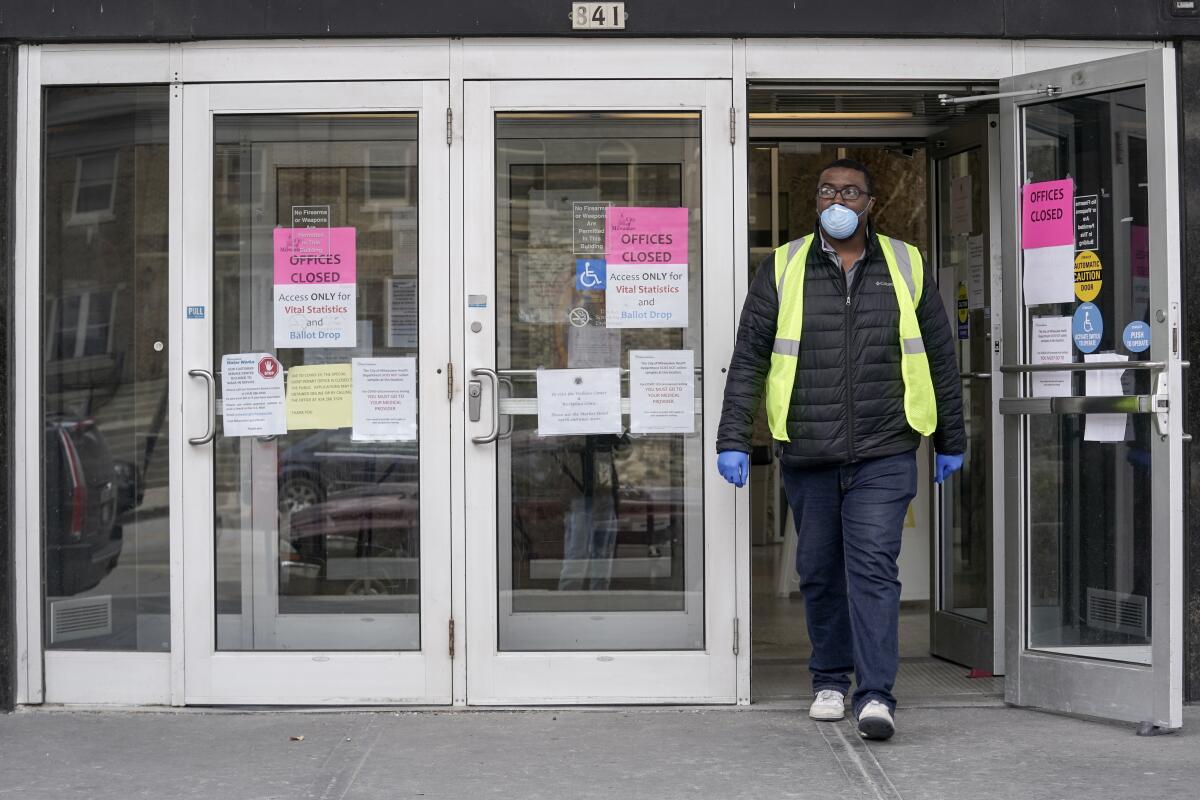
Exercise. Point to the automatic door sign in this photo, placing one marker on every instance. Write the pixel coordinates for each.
(1088, 272)
(647, 271)
(1087, 327)
(963, 312)
(1136, 337)
(315, 293)
(590, 275)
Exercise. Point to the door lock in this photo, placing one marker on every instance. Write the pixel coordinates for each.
(1161, 404)
(474, 399)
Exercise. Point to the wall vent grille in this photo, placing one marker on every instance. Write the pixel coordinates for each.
(1116, 611)
(80, 618)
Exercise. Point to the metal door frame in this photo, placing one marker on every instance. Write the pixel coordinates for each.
(953, 636)
(1057, 681)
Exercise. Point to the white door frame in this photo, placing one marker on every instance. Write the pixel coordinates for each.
(707, 675)
(330, 677)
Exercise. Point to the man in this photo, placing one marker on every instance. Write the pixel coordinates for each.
(845, 331)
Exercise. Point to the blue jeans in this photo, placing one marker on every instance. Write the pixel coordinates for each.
(849, 519)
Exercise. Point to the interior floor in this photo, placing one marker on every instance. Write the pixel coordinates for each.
(779, 666)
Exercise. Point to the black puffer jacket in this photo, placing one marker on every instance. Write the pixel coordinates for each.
(848, 397)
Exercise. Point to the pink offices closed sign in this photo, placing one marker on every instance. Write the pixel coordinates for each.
(1048, 214)
(316, 300)
(645, 235)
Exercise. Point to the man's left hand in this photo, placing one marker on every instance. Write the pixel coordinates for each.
(945, 466)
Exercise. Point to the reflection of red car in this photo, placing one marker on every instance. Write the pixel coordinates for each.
(363, 541)
(83, 496)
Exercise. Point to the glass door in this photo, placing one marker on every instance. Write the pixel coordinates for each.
(600, 314)
(964, 625)
(315, 413)
(1093, 443)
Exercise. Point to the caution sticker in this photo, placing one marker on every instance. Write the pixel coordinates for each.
(1088, 271)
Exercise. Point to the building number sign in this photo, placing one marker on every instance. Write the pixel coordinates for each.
(597, 16)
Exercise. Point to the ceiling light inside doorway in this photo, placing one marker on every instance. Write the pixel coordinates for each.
(770, 116)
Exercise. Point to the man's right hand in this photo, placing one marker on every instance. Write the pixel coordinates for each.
(734, 466)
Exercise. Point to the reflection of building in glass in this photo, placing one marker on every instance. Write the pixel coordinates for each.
(104, 366)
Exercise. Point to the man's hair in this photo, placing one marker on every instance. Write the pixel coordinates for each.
(858, 166)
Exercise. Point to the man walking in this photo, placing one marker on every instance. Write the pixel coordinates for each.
(845, 331)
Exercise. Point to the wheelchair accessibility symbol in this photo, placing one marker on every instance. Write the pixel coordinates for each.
(590, 274)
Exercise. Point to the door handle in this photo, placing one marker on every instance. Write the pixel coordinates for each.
(506, 430)
(474, 401)
(212, 406)
(1117, 404)
(1084, 366)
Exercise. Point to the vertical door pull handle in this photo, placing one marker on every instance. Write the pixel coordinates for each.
(212, 406)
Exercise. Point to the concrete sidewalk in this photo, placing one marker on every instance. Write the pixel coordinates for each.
(762, 752)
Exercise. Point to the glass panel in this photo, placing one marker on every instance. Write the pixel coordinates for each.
(601, 536)
(966, 532)
(1089, 479)
(104, 366)
(317, 534)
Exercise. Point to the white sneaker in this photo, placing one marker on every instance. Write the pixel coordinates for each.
(875, 721)
(829, 706)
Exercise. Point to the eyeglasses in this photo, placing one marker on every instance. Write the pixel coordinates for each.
(851, 193)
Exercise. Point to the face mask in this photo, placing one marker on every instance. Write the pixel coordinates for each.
(839, 221)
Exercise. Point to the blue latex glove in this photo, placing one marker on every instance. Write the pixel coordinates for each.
(734, 466)
(945, 466)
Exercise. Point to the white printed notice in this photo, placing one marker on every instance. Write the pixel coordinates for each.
(578, 401)
(385, 399)
(1051, 345)
(647, 282)
(315, 295)
(1049, 275)
(662, 393)
(960, 205)
(1105, 383)
(401, 308)
(976, 273)
(252, 398)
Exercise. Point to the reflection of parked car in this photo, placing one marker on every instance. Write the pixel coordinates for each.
(599, 498)
(327, 462)
(83, 538)
(363, 541)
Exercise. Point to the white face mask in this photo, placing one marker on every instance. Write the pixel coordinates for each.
(840, 222)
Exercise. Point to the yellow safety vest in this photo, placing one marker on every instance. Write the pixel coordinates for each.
(904, 264)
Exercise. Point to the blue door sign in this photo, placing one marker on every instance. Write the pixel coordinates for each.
(590, 274)
(1087, 327)
(1136, 337)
